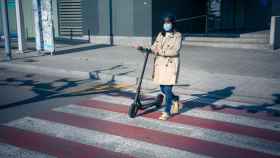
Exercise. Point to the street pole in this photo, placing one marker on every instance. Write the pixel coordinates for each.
(20, 27)
(111, 22)
(8, 53)
(38, 24)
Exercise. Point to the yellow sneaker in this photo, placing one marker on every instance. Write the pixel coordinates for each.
(176, 106)
(164, 116)
(175, 109)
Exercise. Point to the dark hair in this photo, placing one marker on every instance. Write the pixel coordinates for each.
(172, 18)
(169, 16)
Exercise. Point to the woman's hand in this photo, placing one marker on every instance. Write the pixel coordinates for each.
(136, 46)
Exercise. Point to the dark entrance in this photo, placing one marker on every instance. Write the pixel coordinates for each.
(183, 9)
(215, 16)
(237, 16)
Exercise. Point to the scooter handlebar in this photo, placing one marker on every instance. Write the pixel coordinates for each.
(144, 50)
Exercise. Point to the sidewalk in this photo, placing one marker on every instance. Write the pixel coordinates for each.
(236, 77)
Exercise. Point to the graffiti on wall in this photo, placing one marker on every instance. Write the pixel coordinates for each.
(47, 25)
(43, 25)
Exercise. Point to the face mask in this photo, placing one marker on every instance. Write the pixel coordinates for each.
(167, 27)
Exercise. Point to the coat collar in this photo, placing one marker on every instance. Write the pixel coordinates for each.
(170, 34)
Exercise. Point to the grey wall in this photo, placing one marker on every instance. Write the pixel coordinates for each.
(142, 17)
(1, 25)
(91, 14)
(28, 18)
(55, 17)
(129, 17)
(12, 17)
(275, 32)
(123, 17)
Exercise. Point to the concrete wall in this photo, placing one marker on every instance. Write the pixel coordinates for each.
(275, 32)
(28, 17)
(130, 18)
(1, 25)
(12, 17)
(55, 17)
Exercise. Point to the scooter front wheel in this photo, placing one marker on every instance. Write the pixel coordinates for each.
(132, 111)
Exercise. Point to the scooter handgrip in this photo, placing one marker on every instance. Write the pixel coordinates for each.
(145, 50)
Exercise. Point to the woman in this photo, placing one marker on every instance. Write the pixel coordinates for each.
(166, 66)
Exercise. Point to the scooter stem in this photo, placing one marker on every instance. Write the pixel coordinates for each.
(147, 51)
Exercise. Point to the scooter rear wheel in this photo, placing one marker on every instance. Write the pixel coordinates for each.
(132, 111)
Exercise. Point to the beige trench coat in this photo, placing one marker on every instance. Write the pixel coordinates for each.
(167, 61)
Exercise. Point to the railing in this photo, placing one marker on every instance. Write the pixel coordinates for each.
(194, 18)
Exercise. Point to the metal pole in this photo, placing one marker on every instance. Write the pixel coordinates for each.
(38, 24)
(206, 24)
(71, 33)
(20, 26)
(8, 53)
(111, 22)
(88, 36)
(26, 32)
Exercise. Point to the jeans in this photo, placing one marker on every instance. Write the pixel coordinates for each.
(167, 91)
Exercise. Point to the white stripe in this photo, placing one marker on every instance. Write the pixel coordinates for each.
(113, 99)
(102, 140)
(10, 151)
(212, 115)
(225, 138)
(235, 119)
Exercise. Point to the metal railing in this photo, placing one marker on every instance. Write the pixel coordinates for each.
(194, 18)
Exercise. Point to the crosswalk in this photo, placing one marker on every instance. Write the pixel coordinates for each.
(100, 127)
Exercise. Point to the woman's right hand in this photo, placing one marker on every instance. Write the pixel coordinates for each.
(136, 46)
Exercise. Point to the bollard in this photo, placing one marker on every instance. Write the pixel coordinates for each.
(88, 36)
(26, 32)
(71, 34)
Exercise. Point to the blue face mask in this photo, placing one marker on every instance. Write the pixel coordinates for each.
(167, 27)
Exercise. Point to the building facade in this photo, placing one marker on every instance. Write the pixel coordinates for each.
(139, 20)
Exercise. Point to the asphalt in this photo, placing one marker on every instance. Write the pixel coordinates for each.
(245, 76)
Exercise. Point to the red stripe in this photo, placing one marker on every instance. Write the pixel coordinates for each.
(265, 115)
(152, 136)
(194, 121)
(51, 145)
(240, 112)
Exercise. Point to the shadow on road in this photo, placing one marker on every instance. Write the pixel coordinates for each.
(59, 88)
(210, 98)
(80, 49)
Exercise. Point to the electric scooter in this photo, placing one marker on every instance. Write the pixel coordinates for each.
(137, 103)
